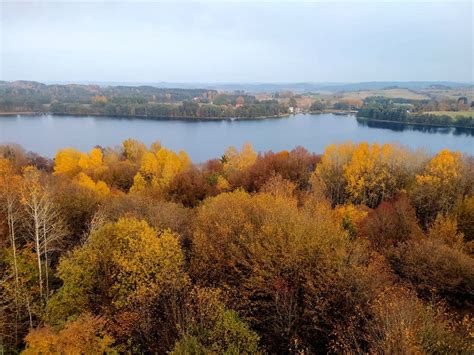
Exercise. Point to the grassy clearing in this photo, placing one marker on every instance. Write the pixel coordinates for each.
(452, 114)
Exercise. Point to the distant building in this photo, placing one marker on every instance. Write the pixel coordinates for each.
(239, 102)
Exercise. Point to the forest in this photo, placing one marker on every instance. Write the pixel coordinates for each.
(133, 101)
(366, 248)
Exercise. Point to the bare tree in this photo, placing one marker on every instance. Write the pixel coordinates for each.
(44, 224)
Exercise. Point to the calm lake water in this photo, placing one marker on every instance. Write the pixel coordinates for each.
(208, 139)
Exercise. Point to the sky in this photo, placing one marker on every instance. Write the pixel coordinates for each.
(222, 42)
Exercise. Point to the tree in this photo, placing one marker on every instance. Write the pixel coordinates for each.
(363, 173)
(9, 198)
(352, 218)
(21, 306)
(45, 226)
(133, 150)
(445, 229)
(159, 168)
(237, 161)
(66, 161)
(390, 224)
(121, 272)
(438, 187)
(329, 174)
(91, 161)
(139, 183)
(435, 269)
(464, 213)
(292, 102)
(98, 187)
(84, 335)
(258, 249)
(77, 205)
(402, 324)
(317, 106)
(375, 173)
(208, 327)
(295, 166)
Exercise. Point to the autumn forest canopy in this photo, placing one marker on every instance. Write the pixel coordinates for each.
(366, 248)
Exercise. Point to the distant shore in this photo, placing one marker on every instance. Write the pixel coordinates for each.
(334, 112)
(184, 118)
(22, 113)
(413, 123)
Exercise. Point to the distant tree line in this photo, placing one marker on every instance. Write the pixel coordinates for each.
(142, 101)
(187, 109)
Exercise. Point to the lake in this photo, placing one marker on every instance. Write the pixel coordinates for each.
(208, 139)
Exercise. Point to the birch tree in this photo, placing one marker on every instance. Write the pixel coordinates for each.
(44, 224)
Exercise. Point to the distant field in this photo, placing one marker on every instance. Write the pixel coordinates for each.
(452, 114)
(390, 93)
(453, 94)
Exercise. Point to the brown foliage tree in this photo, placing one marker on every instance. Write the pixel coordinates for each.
(390, 223)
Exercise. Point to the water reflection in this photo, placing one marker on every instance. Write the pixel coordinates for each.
(401, 127)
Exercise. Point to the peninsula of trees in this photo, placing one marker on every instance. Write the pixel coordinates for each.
(414, 111)
(129, 101)
(365, 249)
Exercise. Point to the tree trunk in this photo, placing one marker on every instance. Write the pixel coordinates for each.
(37, 242)
(11, 225)
(45, 241)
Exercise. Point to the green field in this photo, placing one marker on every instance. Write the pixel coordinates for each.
(452, 114)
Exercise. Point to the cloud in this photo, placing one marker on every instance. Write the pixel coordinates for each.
(209, 42)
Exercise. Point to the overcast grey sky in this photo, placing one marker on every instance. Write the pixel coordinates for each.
(236, 42)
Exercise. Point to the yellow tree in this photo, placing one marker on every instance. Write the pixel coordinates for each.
(139, 183)
(373, 173)
(131, 266)
(84, 335)
(133, 150)
(158, 169)
(98, 187)
(70, 162)
(237, 161)
(363, 173)
(329, 174)
(171, 165)
(439, 186)
(149, 166)
(91, 161)
(66, 161)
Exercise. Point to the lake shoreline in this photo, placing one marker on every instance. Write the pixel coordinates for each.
(216, 119)
(413, 123)
(23, 113)
(192, 119)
